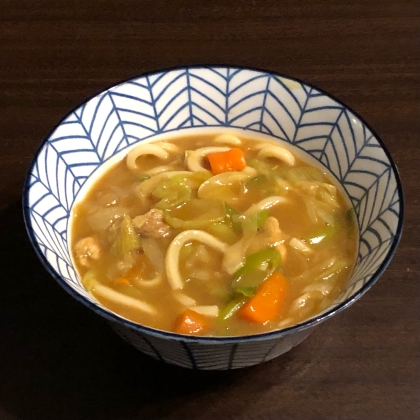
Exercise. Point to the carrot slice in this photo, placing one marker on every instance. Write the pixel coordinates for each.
(123, 281)
(231, 160)
(190, 322)
(266, 303)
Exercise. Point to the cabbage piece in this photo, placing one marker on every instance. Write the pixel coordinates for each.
(225, 186)
(127, 239)
(195, 214)
(265, 168)
(89, 280)
(303, 173)
(232, 307)
(172, 192)
(101, 218)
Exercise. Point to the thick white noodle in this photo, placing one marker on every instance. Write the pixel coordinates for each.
(209, 310)
(229, 139)
(266, 204)
(234, 256)
(250, 171)
(172, 254)
(185, 300)
(193, 158)
(143, 283)
(144, 149)
(261, 144)
(169, 147)
(277, 152)
(106, 292)
(159, 170)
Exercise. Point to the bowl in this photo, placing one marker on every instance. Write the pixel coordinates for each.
(198, 99)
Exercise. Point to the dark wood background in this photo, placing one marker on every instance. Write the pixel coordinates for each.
(58, 360)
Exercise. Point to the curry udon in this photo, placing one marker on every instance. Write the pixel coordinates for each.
(214, 235)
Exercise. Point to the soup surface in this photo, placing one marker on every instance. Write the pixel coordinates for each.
(214, 235)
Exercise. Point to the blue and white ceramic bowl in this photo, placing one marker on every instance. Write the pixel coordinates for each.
(197, 99)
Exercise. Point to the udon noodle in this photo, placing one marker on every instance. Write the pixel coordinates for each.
(215, 235)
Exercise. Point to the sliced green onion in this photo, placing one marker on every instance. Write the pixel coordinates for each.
(223, 232)
(247, 291)
(233, 216)
(232, 307)
(257, 268)
(254, 222)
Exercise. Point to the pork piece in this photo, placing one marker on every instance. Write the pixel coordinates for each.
(274, 235)
(272, 230)
(151, 224)
(87, 250)
(269, 235)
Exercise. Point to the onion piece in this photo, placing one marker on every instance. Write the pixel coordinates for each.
(208, 310)
(323, 287)
(300, 246)
(154, 254)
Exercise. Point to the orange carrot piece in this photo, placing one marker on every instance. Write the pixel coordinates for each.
(123, 281)
(231, 160)
(266, 303)
(190, 322)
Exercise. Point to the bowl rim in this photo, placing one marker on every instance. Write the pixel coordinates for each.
(309, 323)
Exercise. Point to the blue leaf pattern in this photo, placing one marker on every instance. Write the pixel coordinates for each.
(214, 97)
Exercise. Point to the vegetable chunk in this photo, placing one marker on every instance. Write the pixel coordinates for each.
(266, 303)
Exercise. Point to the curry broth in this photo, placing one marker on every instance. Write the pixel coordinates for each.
(114, 194)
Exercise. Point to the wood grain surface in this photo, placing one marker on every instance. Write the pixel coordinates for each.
(60, 361)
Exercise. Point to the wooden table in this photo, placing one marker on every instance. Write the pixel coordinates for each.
(60, 361)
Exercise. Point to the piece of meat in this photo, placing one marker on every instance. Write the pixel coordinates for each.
(270, 235)
(151, 224)
(275, 236)
(87, 250)
(272, 229)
